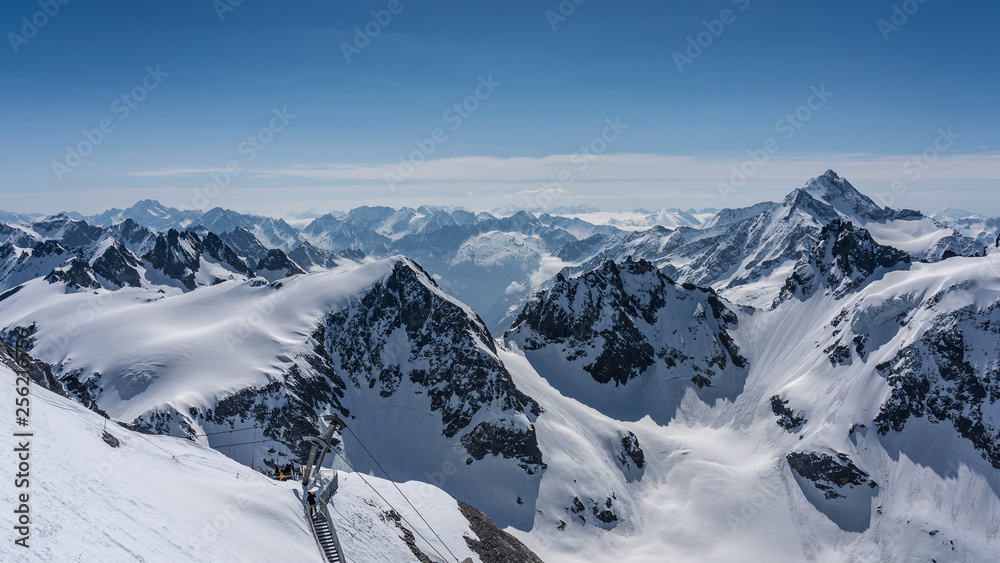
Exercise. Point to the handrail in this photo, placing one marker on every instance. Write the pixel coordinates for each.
(333, 532)
(325, 514)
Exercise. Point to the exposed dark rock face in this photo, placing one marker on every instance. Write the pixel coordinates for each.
(309, 256)
(75, 274)
(49, 248)
(277, 261)
(285, 410)
(494, 545)
(843, 196)
(631, 452)
(178, 255)
(119, 266)
(787, 418)
(581, 249)
(942, 377)
(402, 327)
(70, 233)
(14, 237)
(244, 243)
(10, 292)
(844, 258)
(828, 474)
(603, 511)
(110, 440)
(88, 257)
(131, 234)
(838, 354)
(632, 310)
(173, 259)
(214, 247)
(411, 541)
(38, 371)
(508, 442)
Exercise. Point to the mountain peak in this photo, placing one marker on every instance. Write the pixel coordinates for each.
(147, 204)
(836, 191)
(831, 185)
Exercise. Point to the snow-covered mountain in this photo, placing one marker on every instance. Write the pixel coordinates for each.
(637, 220)
(100, 492)
(358, 341)
(746, 254)
(275, 233)
(809, 380)
(863, 426)
(620, 324)
(984, 229)
(126, 255)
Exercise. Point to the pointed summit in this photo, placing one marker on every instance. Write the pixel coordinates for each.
(833, 189)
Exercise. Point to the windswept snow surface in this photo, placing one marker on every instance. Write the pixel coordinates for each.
(183, 348)
(153, 498)
(165, 500)
(167, 361)
(717, 484)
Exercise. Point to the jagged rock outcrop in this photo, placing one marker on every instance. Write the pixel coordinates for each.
(309, 256)
(950, 374)
(178, 255)
(276, 264)
(639, 316)
(119, 266)
(831, 475)
(404, 328)
(845, 257)
(787, 418)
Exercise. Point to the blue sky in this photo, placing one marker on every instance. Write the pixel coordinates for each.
(893, 93)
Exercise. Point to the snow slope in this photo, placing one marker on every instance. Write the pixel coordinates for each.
(888, 451)
(380, 344)
(831, 392)
(163, 499)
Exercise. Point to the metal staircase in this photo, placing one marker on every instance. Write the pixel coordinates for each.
(319, 519)
(326, 534)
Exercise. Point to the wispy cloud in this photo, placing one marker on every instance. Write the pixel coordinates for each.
(632, 167)
(173, 172)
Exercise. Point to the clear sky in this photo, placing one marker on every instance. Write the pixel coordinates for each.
(487, 102)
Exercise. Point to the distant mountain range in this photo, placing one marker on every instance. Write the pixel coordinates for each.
(495, 261)
(809, 379)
